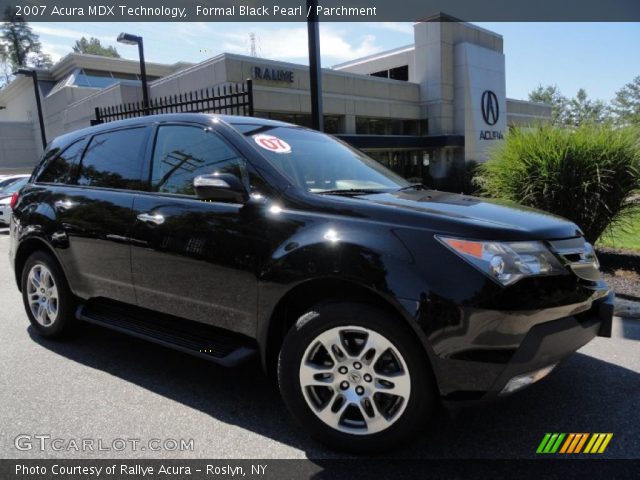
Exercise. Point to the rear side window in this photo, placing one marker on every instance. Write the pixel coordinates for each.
(115, 159)
(59, 169)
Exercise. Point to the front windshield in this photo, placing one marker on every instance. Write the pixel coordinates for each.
(319, 163)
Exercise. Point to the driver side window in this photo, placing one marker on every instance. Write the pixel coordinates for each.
(182, 152)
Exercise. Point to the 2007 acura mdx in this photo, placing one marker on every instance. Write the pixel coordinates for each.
(369, 297)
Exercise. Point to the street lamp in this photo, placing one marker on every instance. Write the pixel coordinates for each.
(27, 72)
(129, 39)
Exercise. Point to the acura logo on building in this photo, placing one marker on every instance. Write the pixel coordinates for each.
(490, 109)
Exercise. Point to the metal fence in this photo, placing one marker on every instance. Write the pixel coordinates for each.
(231, 99)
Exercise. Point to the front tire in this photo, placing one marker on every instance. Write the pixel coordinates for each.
(355, 377)
(46, 296)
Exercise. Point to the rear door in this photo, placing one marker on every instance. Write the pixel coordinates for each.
(94, 213)
(191, 258)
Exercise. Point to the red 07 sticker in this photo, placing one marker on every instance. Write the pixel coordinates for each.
(271, 143)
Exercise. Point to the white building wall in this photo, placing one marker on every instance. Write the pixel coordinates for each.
(17, 147)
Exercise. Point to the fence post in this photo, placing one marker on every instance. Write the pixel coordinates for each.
(97, 120)
(250, 95)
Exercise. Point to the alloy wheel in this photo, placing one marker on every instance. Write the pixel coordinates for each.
(42, 294)
(355, 380)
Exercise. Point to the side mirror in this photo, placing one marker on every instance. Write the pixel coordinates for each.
(223, 187)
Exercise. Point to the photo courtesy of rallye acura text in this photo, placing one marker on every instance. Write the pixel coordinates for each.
(370, 300)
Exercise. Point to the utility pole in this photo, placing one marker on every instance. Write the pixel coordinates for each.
(315, 68)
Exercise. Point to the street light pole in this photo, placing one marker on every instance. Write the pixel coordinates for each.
(129, 39)
(36, 87)
(315, 69)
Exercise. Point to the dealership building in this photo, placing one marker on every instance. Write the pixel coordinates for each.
(425, 109)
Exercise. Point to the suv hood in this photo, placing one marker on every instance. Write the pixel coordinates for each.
(470, 217)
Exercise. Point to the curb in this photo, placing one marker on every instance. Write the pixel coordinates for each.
(626, 308)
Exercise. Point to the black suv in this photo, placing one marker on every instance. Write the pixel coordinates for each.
(368, 297)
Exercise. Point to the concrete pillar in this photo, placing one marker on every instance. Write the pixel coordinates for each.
(349, 124)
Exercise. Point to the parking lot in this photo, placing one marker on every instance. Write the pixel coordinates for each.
(103, 385)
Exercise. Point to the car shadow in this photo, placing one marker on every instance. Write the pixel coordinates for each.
(582, 395)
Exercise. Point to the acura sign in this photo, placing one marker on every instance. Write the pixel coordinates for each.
(490, 108)
(490, 114)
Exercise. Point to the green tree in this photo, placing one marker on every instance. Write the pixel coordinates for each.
(22, 47)
(581, 109)
(93, 47)
(551, 95)
(626, 105)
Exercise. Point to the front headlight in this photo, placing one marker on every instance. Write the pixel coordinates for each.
(506, 262)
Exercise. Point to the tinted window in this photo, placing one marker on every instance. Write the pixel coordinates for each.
(58, 170)
(184, 152)
(114, 160)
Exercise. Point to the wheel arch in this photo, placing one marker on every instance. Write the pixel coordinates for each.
(25, 249)
(302, 296)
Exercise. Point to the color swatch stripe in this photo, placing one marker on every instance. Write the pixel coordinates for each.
(572, 443)
(606, 441)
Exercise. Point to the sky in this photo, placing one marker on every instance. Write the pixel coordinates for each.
(599, 57)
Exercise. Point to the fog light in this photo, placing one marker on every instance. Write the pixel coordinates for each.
(521, 381)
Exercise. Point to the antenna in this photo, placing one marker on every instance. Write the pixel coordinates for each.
(252, 38)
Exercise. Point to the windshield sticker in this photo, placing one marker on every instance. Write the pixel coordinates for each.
(271, 143)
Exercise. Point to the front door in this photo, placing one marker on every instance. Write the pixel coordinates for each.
(191, 258)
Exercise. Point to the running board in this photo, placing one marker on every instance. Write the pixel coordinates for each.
(203, 341)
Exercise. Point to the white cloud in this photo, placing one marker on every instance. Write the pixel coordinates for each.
(41, 29)
(291, 43)
(56, 50)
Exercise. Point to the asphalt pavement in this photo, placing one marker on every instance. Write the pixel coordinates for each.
(105, 386)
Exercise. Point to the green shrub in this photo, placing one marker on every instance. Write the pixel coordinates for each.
(588, 175)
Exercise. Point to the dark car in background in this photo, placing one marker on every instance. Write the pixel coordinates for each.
(368, 298)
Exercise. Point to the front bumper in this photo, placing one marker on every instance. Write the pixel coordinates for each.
(476, 352)
(549, 343)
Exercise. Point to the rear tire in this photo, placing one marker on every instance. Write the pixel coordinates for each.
(355, 378)
(49, 303)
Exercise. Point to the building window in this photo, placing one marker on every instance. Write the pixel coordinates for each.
(400, 73)
(412, 165)
(397, 73)
(332, 123)
(389, 126)
(101, 79)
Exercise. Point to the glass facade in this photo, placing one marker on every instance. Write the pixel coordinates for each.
(390, 126)
(410, 164)
(332, 123)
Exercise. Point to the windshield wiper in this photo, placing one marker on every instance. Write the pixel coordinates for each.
(416, 186)
(351, 191)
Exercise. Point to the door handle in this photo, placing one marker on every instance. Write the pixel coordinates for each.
(156, 219)
(64, 204)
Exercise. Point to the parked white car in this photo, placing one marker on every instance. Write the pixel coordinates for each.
(6, 180)
(5, 198)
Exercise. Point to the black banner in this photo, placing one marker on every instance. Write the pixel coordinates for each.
(327, 10)
(370, 468)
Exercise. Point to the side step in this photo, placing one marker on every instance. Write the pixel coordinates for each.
(213, 344)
